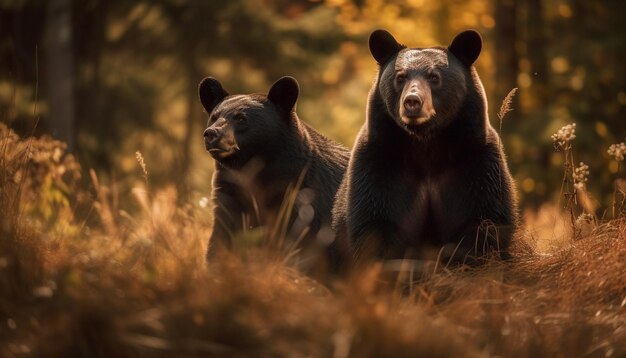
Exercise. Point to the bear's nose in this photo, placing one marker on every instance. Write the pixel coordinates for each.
(412, 102)
(210, 135)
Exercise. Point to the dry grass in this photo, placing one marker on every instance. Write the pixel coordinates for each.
(112, 283)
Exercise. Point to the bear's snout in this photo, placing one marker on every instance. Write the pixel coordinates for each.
(211, 136)
(412, 105)
(220, 142)
(416, 105)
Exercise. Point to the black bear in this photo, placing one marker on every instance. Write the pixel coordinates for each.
(427, 177)
(264, 152)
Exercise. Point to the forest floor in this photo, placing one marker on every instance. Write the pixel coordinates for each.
(82, 275)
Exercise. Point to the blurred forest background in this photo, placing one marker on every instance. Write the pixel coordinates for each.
(114, 77)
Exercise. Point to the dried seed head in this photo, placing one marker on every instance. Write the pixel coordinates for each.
(142, 165)
(564, 135)
(580, 175)
(617, 151)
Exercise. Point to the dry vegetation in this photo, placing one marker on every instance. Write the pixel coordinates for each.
(79, 276)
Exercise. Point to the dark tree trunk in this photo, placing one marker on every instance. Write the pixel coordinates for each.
(536, 51)
(192, 133)
(505, 51)
(60, 70)
(92, 114)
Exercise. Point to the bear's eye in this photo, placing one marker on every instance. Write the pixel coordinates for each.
(434, 78)
(400, 78)
(240, 117)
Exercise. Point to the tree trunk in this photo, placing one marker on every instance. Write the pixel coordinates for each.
(506, 54)
(192, 133)
(536, 52)
(60, 70)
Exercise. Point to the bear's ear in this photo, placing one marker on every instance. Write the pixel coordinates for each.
(383, 46)
(211, 93)
(284, 93)
(466, 46)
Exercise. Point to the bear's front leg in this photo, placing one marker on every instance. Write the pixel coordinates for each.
(478, 241)
(374, 213)
(376, 239)
(227, 222)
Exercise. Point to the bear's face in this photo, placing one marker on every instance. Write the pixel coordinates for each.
(241, 127)
(424, 88)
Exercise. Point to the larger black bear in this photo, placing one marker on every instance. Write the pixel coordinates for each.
(261, 150)
(427, 176)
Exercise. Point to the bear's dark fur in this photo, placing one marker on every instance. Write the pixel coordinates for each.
(262, 149)
(427, 177)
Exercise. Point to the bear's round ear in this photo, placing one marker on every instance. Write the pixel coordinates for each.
(284, 93)
(383, 46)
(466, 46)
(211, 93)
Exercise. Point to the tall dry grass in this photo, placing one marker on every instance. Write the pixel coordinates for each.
(80, 276)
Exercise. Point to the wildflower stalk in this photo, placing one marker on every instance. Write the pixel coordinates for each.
(562, 141)
(505, 108)
(617, 151)
(615, 193)
(571, 186)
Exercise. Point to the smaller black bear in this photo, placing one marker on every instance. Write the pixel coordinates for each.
(262, 151)
(427, 177)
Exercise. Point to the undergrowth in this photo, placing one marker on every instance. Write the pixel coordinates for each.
(80, 276)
